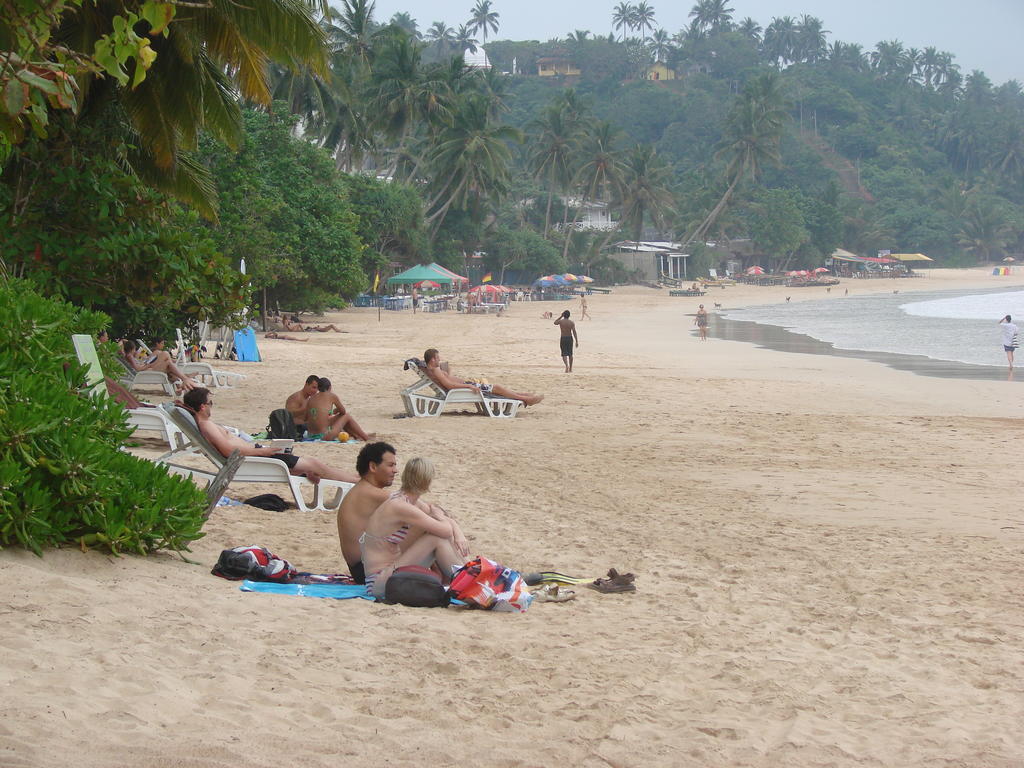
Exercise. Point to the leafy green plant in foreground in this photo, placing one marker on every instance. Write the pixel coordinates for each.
(63, 477)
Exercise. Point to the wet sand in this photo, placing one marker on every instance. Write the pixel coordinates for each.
(783, 340)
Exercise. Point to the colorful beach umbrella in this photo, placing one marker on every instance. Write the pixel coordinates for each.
(585, 279)
(429, 285)
(797, 273)
(570, 277)
(485, 288)
(819, 270)
(755, 270)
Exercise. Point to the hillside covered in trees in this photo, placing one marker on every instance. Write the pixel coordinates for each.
(323, 144)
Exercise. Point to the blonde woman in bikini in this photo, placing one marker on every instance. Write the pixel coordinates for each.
(402, 532)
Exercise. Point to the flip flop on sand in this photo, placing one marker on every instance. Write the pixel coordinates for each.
(554, 577)
(551, 593)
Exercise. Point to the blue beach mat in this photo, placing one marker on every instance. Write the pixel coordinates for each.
(336, 591)
(245, 346)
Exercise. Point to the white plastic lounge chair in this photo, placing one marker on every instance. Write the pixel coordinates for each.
(133, 380)
(254, 469)
(205, 372)
(148, 419)
(425, 398)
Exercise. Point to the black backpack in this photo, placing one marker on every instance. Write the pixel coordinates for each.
(416, 587)
(281, 426)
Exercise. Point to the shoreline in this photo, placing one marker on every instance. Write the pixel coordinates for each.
(779, 339)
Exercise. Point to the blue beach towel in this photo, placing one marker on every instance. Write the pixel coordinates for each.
(336, 591)
(245, 346)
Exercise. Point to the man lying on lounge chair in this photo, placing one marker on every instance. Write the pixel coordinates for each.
(445, 380)
(200, 402)
(159, 361)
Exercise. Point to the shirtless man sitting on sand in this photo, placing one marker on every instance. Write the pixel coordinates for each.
(377, 466)
(326, 416)
(437, 374)
(298, 402)
(201, 404)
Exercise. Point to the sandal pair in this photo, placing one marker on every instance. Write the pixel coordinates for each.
(551, 593)
(616, 582)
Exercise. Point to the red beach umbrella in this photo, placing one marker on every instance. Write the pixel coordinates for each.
(428, 284)
(819, 270)
(486, 288)
(755, 270)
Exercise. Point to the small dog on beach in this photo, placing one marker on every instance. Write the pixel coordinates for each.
(717, 305)
(787, 299)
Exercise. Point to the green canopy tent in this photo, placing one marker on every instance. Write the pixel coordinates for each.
(418, 273)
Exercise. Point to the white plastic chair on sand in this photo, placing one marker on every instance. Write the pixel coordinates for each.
(254, 469)
(434, 401)
(147, 419)
(203, 371)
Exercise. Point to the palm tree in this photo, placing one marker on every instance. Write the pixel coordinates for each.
(464, 39)
(404, 21)
(930, 66)
(470, 161)
(553, 146)
(712, 15)
(441, 37)
(483, 18)
(353, 30)
(661, 45)
(849, 55)
(1008, 152)
(623, 18)
(752, 135)
(810, 34)
(643, 17)
(750, 29)
(599, 175)
(891, 62)
(206, 59)
(781, 40)
(984, 229)
(644, 192)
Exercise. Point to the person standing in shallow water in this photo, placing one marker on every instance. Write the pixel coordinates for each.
(701, 321)
(1009, 330)
(567, 328)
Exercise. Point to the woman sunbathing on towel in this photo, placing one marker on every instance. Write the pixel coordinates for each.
(160, 361)
(402, 532)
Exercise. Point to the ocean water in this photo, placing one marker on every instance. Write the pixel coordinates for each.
(950, 326)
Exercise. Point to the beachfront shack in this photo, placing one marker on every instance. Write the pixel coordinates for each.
(846, 264)
(647, 261)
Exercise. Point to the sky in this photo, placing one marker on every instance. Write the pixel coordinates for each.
(982, 34)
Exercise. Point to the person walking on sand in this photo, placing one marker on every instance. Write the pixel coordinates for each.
(583, 308)
(701, 321)
(1009, 329)
(567, 329)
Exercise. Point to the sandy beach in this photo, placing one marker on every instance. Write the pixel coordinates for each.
(817, 585)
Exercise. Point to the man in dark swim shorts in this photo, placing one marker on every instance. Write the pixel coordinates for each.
(200, 403)
(568, 332)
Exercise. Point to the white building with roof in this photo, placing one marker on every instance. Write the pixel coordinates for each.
(476, 60)
(649, 260)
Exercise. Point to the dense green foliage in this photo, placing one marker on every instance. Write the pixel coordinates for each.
(63, 477)
(285, 210)
(82, 228)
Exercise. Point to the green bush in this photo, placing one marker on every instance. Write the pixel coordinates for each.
(63, 475)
